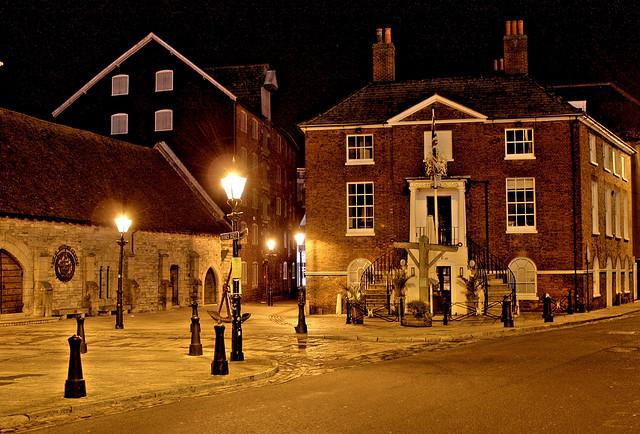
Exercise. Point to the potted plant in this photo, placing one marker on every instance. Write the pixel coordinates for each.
(474, 286)
(399, 282)
(417, 314)
(353, 296)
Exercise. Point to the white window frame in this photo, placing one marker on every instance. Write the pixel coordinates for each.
(593, 149)
(245, 272)
(595, 217)
(625, 217)
(355, 270)
(519, 142)
(623, 167)
(596, 277)
(615, 163)
(359, 149)
(115, 89)
(520, 185)
(166, 82)
(163, 120)
(254, 128)
(368, 228)
(243, 121)
(255, 272)
(285, 270)
(278, 206)
(606, 156)
(255, 234)
(114, 123)
(608, 226)
(617, 204)
(523, 265)
(445, 144)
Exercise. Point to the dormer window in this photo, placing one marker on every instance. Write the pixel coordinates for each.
(120, 85)
(164, 80)
(164, 120)
(119, 124)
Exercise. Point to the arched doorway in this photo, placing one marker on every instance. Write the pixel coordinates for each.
(173, 276)
(210, 287)
(10, 284)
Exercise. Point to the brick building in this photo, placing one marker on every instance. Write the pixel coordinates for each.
(152, 93)
(60, 190)
(529, 185)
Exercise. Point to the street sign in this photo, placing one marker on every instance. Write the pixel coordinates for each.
(235, 235)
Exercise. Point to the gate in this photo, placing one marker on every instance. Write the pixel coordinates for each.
(10, 284)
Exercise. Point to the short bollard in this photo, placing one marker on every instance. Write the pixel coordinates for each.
(195, 349)
(74, 387)
(80, 333)
(219, 366)
(302, 323)
(547, 314)
(506, 318)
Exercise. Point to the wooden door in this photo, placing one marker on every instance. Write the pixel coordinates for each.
(10, 284)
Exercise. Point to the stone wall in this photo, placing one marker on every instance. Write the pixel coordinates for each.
(92, 289)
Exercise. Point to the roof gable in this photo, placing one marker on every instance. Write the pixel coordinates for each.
(151, 37)
(57, 173)
(447, 109)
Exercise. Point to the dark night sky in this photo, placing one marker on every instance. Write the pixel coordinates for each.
(321, 49)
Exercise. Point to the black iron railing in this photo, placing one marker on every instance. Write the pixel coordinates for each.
(446, 236)
(487, 264)
(382, 271)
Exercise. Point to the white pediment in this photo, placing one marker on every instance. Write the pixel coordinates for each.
(435, 98)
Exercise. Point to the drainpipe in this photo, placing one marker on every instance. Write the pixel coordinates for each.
(574, 171)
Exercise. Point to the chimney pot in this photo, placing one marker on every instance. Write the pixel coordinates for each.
(502, 64)
(520, 27)
(514, 27)
(495, 65)
(379, 35)
(387, 35)
(507, 25)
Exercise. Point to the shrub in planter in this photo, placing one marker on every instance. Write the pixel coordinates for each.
(417, 308)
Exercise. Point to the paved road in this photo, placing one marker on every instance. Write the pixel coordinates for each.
(581, 379)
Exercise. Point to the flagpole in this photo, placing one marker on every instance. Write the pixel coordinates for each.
(434, 155)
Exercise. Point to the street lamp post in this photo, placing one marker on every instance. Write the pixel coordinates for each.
(233, 186)
(271, 246)
(302, 325)
(122, 223)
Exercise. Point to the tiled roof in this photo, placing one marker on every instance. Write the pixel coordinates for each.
(245, 81)
(53, 172)
(497, 97)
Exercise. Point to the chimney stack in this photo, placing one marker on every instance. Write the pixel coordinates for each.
(516, 56)
(384, 57)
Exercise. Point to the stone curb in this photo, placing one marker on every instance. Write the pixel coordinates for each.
(12, 422)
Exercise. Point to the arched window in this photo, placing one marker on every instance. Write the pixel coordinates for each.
(164, 120)
(618, 279)
(525, 273)
(596, 277)
(355, 270)
(164, 80)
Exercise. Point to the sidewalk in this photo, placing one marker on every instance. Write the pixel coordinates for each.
(148, 361)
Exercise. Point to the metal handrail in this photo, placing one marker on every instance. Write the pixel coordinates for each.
(487, 263)
(382, 270)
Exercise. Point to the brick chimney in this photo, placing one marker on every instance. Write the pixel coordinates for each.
(516, 56)
(384, 57)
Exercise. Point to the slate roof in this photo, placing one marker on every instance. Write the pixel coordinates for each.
(497, 97)
(244, 81)
(57, 173)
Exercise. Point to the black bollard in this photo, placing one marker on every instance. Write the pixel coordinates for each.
(302, 324)
(547, 313)
(219, 365)
(445, 309)
(506, 318)
(348, 308)
(569, 303)
(195, 349)
(74, 387)
(80, 333)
